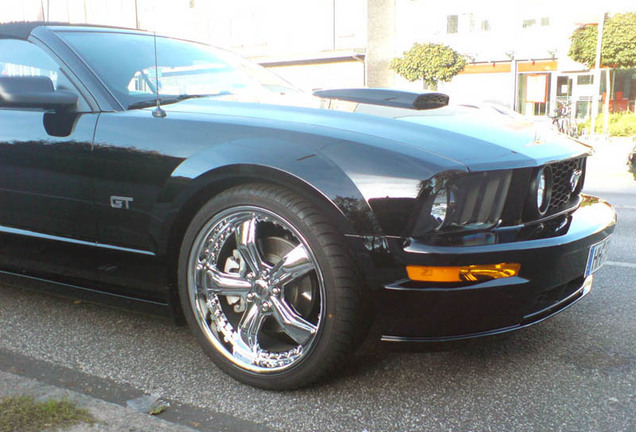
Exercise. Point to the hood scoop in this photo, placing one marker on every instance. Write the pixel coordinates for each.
(385, 97)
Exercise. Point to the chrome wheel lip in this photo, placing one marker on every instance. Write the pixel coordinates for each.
(218, 330)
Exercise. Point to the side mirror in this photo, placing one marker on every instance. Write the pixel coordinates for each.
(34, 92)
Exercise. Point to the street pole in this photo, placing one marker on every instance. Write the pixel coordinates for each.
(514, 84)
(136, 15)
(380, 43)
(513, 71)
(608, 93)
(333, 21)
(597, 73)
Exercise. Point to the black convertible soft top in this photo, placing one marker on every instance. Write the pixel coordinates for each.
(22, 30)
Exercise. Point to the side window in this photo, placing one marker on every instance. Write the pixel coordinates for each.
(22, 58)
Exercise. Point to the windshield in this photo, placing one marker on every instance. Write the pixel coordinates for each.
(126, 64)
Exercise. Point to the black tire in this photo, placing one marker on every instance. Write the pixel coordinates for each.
(255, 326)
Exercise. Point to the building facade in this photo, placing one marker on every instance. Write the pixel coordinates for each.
(517, 50)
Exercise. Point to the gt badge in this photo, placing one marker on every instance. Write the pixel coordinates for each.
(120, 202)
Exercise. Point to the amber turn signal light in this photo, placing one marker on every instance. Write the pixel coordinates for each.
(469, 273)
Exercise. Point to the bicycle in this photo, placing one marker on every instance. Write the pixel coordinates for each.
(561, 120)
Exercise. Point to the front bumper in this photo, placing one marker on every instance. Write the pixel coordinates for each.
(551, 279)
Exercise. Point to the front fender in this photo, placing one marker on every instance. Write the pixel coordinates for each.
(300, 167)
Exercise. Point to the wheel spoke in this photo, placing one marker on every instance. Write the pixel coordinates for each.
(227, 284)
(293, 266)
(246, 244)
(246, 344)
(292, 324)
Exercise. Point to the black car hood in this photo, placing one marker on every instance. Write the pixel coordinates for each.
(476, 139)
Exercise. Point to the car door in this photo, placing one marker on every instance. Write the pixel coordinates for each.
(47, 226)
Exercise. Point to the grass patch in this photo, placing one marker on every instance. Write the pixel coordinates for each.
(24, 414)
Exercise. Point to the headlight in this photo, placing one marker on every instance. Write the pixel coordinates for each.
(452, 202)
(543, 190)
(439, 209)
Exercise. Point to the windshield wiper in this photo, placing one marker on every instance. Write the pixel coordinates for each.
(170, 100)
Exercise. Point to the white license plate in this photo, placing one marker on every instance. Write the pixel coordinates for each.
(596, 257)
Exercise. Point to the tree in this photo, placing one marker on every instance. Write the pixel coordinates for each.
(619, 42)
(429, 62)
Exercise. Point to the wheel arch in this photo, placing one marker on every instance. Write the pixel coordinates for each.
(211, 183)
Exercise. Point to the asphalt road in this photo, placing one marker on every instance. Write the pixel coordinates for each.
(573, 372)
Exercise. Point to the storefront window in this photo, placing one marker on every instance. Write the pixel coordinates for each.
(533, 91)
(564, 87)
(624, 90)
(452, 23)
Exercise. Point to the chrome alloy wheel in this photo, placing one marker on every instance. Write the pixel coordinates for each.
(256, 289)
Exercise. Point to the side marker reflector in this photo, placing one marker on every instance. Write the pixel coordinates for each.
(469, 273)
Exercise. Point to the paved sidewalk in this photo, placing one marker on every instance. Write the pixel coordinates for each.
(607, 168)
(109, 416)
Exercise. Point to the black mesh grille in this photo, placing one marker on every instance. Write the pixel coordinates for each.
(551, 300)
(562, 176)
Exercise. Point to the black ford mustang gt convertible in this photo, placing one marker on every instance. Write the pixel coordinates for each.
(280, 225)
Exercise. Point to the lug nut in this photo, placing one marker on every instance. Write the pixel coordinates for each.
(276, 291)
(250, 297)
(265, 306)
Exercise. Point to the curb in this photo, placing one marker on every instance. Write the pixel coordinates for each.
(108, 416)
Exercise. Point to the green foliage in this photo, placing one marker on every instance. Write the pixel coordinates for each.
(621, 35)
(24, 414)
(621, 124)
(430, 62)
(583, 45)
(619, 42)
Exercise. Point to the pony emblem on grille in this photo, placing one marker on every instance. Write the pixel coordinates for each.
(574, 179)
